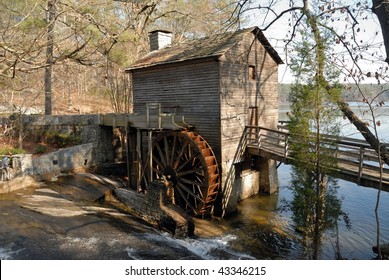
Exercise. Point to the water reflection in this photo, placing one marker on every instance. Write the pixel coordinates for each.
(264, 229)
(316, 208)
(262, 232)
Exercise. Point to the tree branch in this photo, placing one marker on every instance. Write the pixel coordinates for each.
(381, 9)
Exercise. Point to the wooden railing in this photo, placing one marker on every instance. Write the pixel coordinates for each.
(355, 157)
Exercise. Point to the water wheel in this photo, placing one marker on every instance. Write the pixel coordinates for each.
(186, 160)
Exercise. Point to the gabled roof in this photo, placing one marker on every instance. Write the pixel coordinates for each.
(214, 46)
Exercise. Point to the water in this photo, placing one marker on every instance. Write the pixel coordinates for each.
(363, 112)
(358, 202)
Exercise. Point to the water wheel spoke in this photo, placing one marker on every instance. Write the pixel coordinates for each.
(161, 155)
(157, 171)
(180, 154)
(186, 189)
(188, 203)
(166, 144)
(188, 172)
(158, 162)
(191, 182)
(173, 149)
(186, 162)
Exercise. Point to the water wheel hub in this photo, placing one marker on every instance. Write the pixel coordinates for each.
(170, 175)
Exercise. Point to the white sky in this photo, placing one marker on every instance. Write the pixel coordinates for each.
(277, 33)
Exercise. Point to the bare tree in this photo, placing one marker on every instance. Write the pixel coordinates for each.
(57, 38)
(320, 18)
(50, 20)
(381, 9)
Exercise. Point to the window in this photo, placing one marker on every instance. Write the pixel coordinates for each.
(252, 73)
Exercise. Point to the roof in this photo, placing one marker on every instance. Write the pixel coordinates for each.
(214, 46)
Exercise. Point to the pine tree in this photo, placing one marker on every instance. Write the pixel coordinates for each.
(315, 205)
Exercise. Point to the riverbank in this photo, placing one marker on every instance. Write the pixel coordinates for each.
(68, 219)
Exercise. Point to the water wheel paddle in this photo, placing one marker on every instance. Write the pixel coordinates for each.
(186, 160)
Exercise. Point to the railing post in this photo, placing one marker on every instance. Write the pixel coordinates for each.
(244, 144)
(360, 169)
(286, 149)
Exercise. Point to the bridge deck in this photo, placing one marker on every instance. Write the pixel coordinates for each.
(153, 122)
(356, 161)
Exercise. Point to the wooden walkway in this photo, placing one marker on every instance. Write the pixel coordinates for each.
(357, 162)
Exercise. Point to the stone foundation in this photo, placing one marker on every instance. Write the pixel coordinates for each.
(156, 208)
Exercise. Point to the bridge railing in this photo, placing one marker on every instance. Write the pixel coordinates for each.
(272, 140)
(355, 154)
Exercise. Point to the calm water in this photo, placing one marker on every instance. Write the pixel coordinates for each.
(270, 233)
(358, 201)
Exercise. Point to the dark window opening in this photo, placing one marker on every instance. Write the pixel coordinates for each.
(252, 73)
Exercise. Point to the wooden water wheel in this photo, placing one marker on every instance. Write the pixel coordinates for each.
(186, 160)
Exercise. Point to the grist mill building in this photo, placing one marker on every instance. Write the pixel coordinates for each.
(221, 84)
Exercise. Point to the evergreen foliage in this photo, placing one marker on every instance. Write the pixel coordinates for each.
(315, 205)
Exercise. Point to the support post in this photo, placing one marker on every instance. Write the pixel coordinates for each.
(360, 168)
(268, 176)
(132, 158)
(128, 158)
(150, 143)
(139, 159)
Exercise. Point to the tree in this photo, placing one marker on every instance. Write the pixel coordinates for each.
(50, 21)
(315, 205)
(358, 51)
(328, 17)
(99, 37)
(381, 9)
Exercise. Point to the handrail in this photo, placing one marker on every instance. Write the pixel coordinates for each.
(349, 151)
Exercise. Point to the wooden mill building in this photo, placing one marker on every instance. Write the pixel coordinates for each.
(220, 84)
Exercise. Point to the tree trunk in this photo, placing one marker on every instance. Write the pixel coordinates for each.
(364, 130)
(50, 19)
(381, 9)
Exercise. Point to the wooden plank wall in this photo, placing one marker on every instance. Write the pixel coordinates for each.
(239, 92)
(192, 86)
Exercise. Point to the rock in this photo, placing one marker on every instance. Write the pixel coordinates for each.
(384, 250)
(155, 208)
(18, 183)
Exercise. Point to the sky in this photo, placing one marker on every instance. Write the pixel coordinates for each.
(367, 24)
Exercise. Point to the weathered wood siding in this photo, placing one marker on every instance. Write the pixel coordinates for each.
(239, 92)
(192, 86)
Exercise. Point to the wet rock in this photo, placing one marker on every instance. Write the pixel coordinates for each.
(85, 186)
(17, 184)
(155, 208)
(384, 250)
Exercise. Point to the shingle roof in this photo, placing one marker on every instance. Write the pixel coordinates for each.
(202, 48)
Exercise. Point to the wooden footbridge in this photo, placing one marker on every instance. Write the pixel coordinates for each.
(356, 161)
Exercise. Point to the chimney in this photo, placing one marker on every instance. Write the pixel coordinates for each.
(159, 39)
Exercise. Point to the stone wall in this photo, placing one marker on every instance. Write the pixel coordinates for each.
(156, 208)
(94, 147)
(86, 127)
